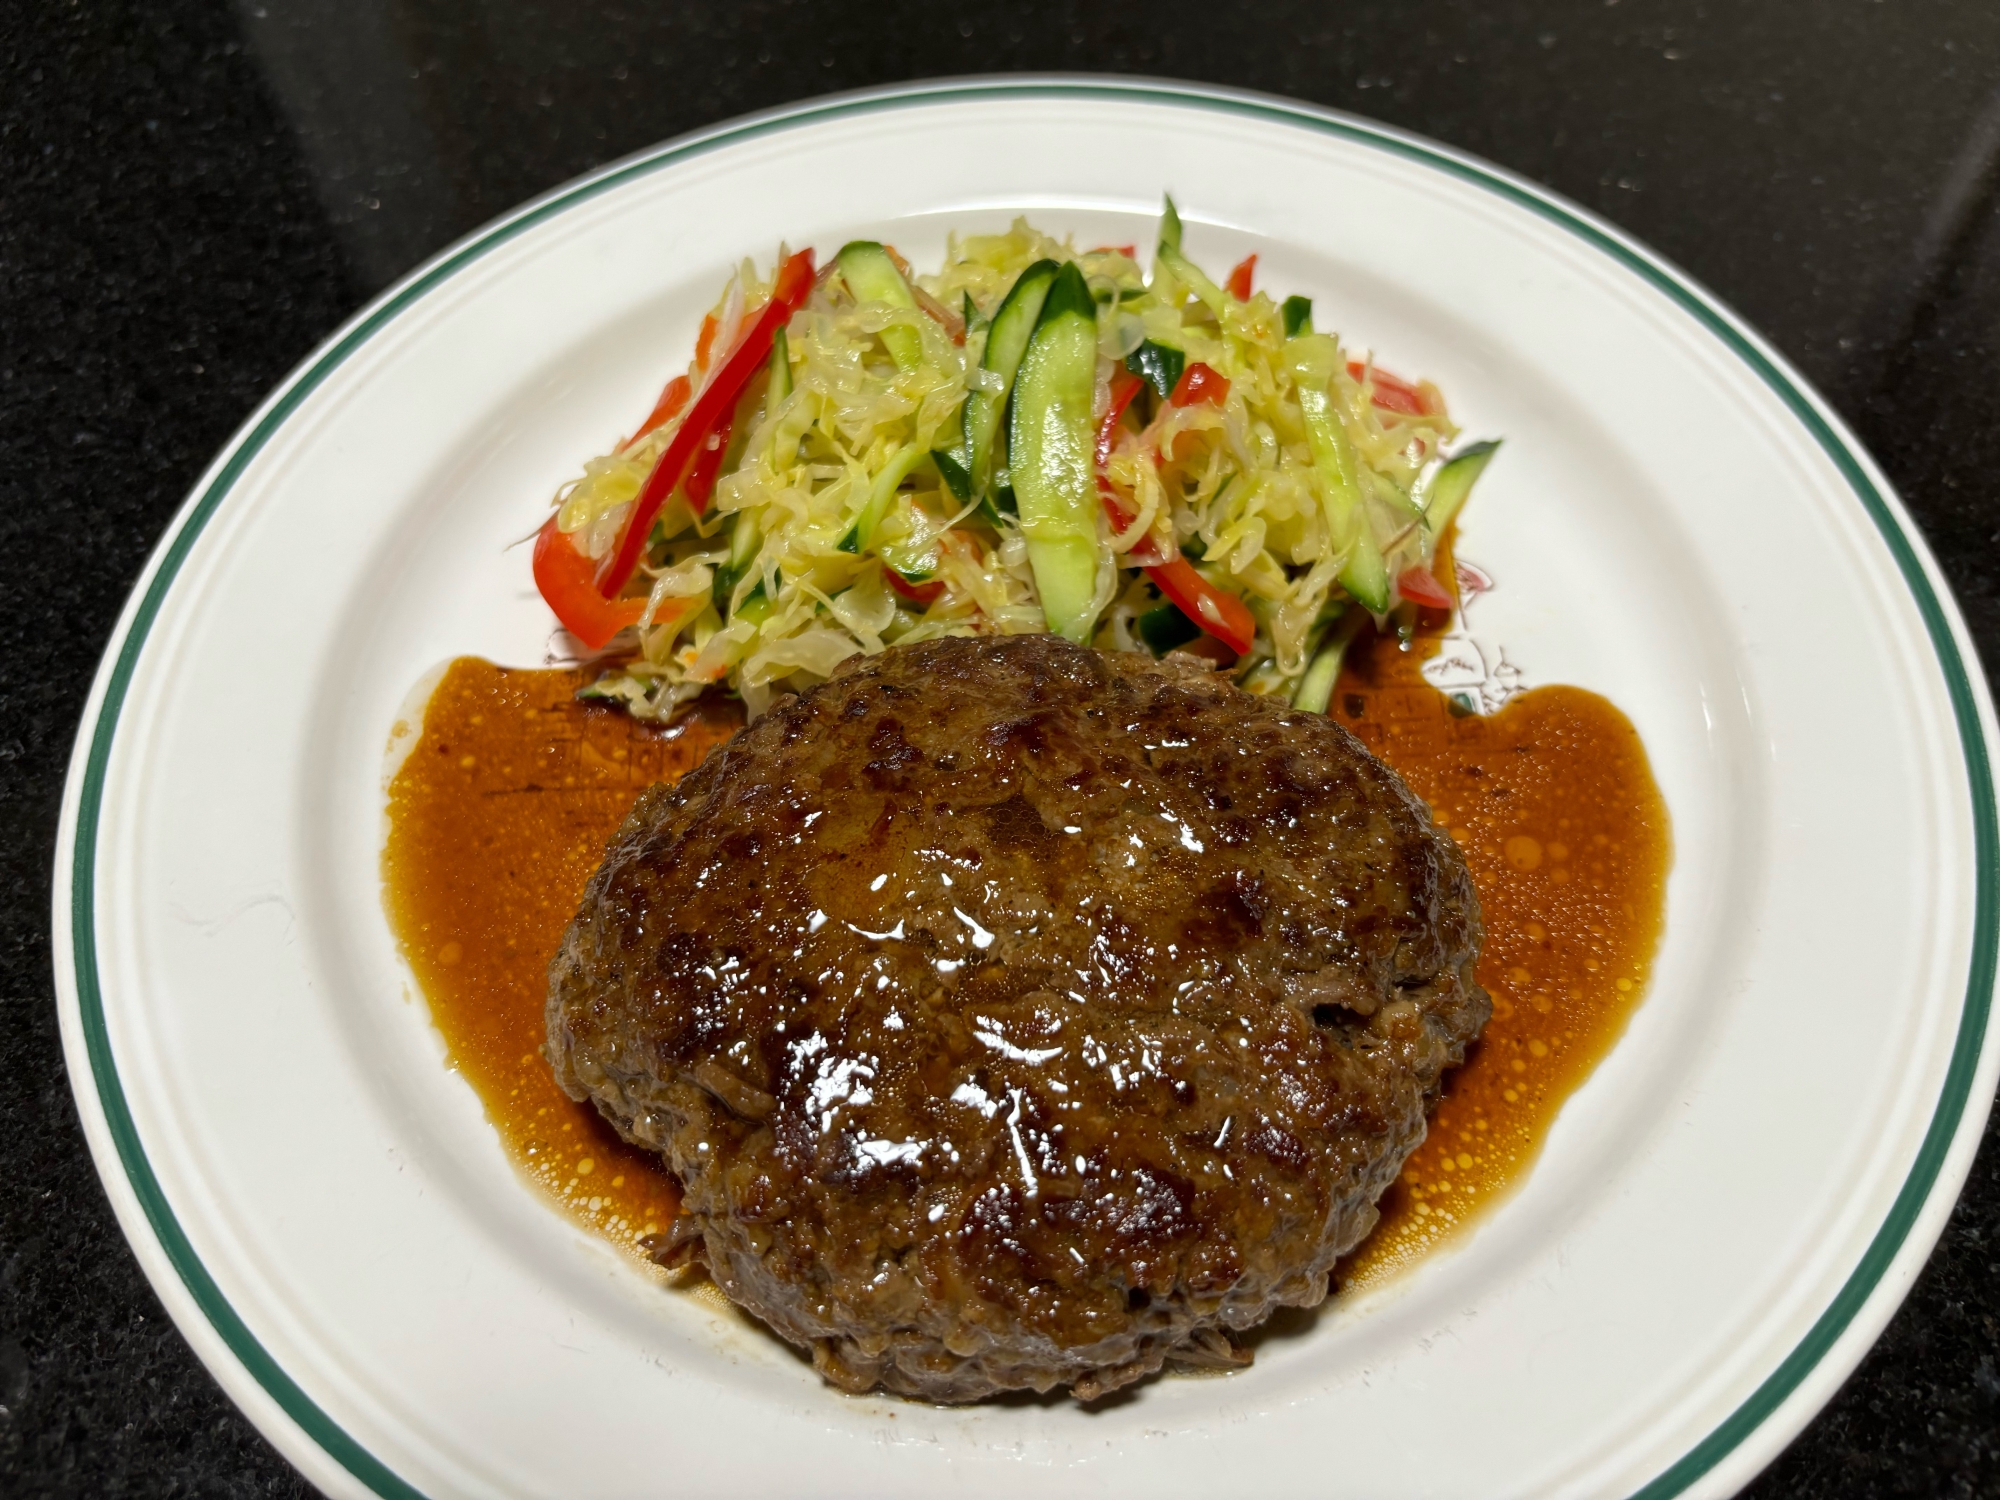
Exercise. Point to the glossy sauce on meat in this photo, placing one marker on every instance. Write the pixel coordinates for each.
(501, 811)
(1018, 1015)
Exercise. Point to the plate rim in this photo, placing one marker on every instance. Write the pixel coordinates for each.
(120, 1156)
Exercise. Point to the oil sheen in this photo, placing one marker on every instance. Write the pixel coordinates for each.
(1554, 804)
(497, 817)
(502, 809)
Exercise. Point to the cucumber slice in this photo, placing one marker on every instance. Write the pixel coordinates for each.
(746, 539)
(913, 558)
(1315, 689)
(1454, 483)
(880, 496)
(1006, 341)
(1183, 270)
(1050, 455)
(872, 277)
(781, 369)
(911, 564)
(993, 505)
(1392, 496)
(1313, 357)
(1366, 575)
(757, 607)
(1164, 628)
(1159, 365)
(952, 472)
(1298, 314)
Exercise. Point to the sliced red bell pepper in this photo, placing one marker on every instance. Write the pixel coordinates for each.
(715, 404)
(1420, 586)
(1125, 387)
(1221, 614)
(700, 482)
(1128, 251)
(925, 591)
(672, 399)
(1239, 279)
(567, 581)
(1392, 392)
(1199, 385)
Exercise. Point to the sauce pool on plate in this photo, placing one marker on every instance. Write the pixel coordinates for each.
(497, 817)
(502, 808)
(1553, 802)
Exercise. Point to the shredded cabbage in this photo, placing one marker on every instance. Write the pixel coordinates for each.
(789, 586)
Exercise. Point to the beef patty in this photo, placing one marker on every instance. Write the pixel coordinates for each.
(1019, 1015)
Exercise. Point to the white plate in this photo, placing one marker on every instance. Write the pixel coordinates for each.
(1725, 1215)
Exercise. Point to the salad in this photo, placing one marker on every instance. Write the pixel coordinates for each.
(1032, 438)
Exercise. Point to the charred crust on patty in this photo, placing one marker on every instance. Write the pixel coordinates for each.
(1021, 1016)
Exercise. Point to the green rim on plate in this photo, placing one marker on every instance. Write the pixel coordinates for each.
(1952, 1101)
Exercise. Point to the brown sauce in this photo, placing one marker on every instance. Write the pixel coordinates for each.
(496, 819)
(501, 811)
(1553, 801)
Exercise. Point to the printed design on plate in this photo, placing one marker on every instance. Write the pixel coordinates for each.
(1476, 676)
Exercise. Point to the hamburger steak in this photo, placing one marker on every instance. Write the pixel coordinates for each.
(1019, 1015)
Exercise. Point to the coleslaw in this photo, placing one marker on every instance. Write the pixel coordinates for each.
(1032, 438)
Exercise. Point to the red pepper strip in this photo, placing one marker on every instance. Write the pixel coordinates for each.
(1199, 384)
(714, 405)
(672, 399)
(1124, 386)
(1128, 251)
(704, 343)
(565, 577)
(1420, 586)
(924, 592)
(1392, 392)
(700, 483)
(1239, 279)
(1221, 614)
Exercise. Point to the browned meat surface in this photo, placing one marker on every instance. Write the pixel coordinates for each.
(1019, 1015)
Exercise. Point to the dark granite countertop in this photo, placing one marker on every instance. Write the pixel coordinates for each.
(193, 194)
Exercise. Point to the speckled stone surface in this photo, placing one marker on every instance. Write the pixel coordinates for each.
(192, 195)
